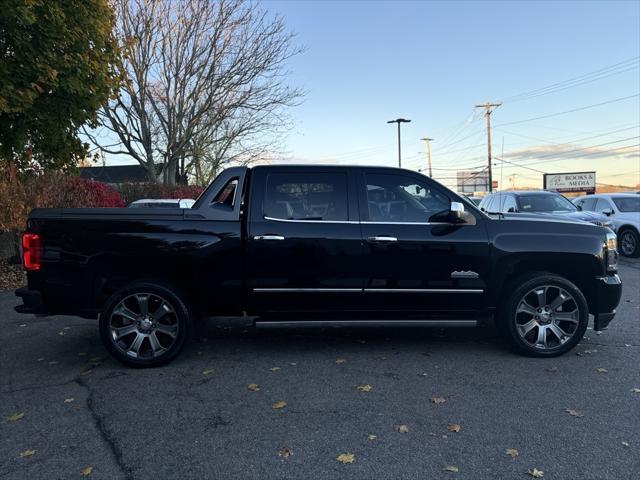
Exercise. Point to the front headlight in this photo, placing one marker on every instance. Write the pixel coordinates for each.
(611, 252)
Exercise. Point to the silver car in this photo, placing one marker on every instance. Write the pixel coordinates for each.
(623, 209)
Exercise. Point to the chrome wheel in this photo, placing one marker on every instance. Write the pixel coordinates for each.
(547, 317)
(143, 326)
(628, 243)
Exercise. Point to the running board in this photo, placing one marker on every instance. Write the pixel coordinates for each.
(364, 323)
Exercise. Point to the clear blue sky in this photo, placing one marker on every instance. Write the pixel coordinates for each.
(367, 62)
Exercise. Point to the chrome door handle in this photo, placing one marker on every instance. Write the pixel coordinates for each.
(382, 239)
(268, 237)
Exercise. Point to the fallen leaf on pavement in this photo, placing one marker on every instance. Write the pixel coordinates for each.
(274, 369)
(27, 453)
(340, 360)
(86, 471)
(69, 400)
(626, 444)
(207, 371)
(438, 400)
(535, 473)
(451, 468)
(372, 437)
(279, 404)
(574, 413)
(552, 369)
(635, 390)
(454, 427)
(14, 417)
(61, 333)
(512, 452)
(254, 387)
(602, 370)
(285, 452)
(365, 387)
(346, 458)
(402, 429)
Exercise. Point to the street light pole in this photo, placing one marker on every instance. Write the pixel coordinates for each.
(399, 121)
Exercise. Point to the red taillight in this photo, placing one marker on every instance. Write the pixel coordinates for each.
(31, 251)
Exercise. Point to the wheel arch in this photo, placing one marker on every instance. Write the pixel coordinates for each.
(580, 273)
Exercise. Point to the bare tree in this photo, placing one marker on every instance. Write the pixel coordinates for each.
(204, 83)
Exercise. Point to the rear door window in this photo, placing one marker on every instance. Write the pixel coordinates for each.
(313, 196)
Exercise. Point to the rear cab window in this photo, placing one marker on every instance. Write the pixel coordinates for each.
(306, 196)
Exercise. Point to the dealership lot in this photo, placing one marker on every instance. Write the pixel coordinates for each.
(576, 416)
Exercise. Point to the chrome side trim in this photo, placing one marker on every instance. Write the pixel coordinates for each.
(365, 323)
(367, 290)
(287, 220)
(406, 223)
(423, 290)
(307, 290)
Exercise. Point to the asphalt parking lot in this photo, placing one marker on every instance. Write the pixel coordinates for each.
(68, 410)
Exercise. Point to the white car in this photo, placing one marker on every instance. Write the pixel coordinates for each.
(163, 203)
(624, 211)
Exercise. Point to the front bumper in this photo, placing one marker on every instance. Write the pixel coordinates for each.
(31, 302)
(607, 297)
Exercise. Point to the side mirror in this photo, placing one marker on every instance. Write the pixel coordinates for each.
(459, 216)
(456, 211)
(512, 210)
(608, 212)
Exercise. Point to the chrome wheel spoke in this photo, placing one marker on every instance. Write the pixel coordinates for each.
(137, 343)
(541, 293)
(155, 344)
(171, 330)
(559, 333)
(525, 328)
(571, 317)
(143, 303)
(541, 340)
(163, 310)
(524, 307)
(120, 332)
(124, 312)
(559, 300)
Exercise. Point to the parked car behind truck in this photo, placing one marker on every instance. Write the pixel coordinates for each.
(316, 246)
(623, 211)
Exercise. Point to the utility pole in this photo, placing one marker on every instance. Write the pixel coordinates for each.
(427, 142)
(399, 121)
(488, 110)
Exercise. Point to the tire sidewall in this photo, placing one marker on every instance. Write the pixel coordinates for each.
(168, 293)
(529, 283)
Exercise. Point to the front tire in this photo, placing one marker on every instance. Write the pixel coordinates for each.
(546, 315)
(629, 243)
(146, 324)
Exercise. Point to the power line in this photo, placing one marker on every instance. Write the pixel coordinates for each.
(569, 111)
(615, 69)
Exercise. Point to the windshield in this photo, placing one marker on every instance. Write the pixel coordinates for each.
(545, 203)
(627, 204)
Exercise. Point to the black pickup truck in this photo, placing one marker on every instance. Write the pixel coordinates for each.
(318, 246)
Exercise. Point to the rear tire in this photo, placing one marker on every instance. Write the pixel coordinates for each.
(545, 316)
(145, 324)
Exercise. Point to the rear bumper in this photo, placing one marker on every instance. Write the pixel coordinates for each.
(31, 302)
(607, 297)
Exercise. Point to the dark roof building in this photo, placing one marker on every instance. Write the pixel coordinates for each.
(115, 174)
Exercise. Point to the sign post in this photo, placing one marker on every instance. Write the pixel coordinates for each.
(570, 182)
